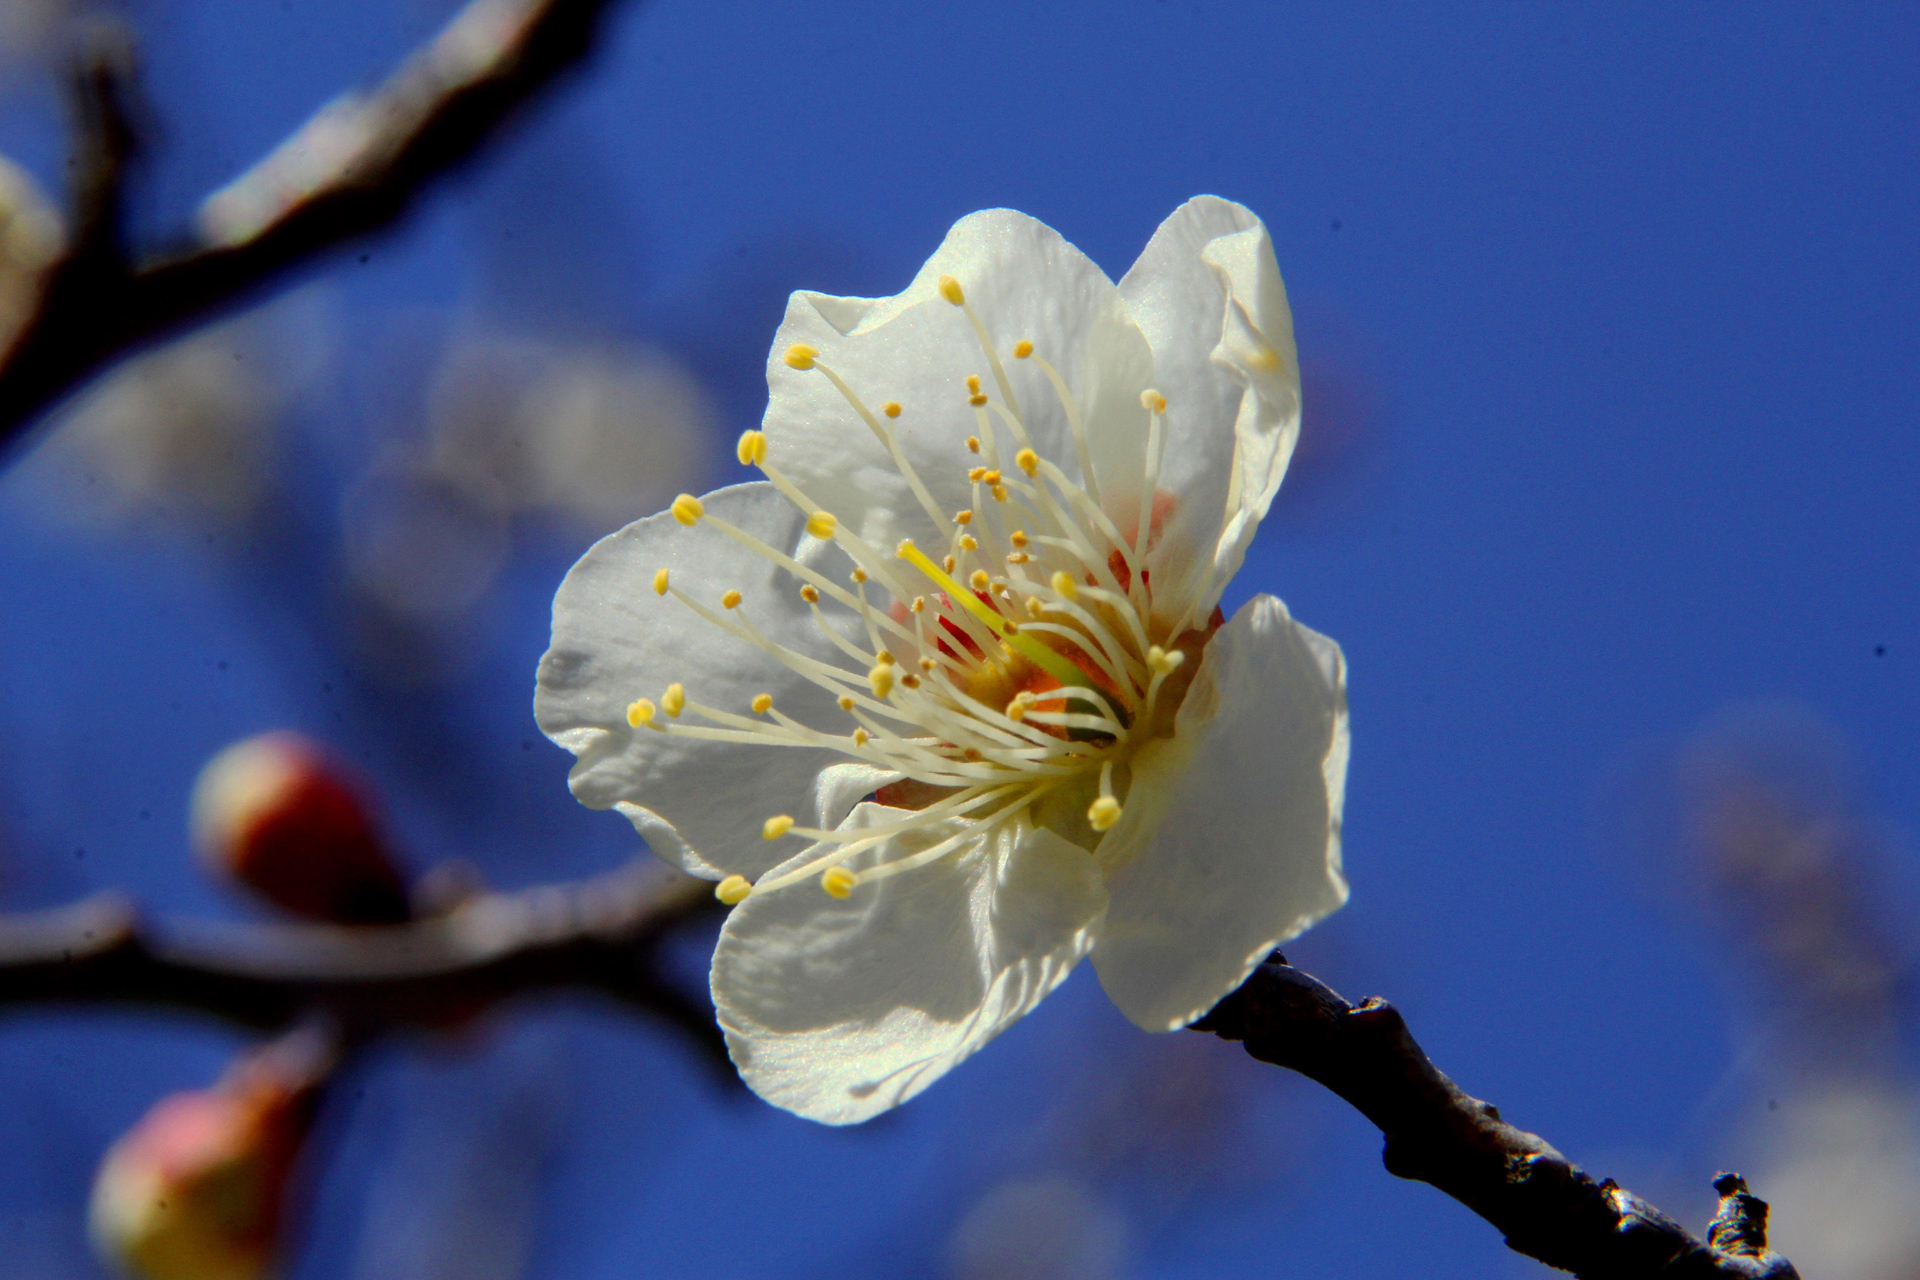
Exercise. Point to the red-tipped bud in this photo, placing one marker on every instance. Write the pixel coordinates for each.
(278, 815)
(197, 1189)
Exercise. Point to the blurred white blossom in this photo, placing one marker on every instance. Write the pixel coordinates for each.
(184, 432)
(1039, 1229)
(419, 544)
(595, 435)
(1783, 856)
(1843, 1178)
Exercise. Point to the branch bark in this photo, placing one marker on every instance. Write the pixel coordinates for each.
(598, 936)
(1547, 1207)
(353, 169)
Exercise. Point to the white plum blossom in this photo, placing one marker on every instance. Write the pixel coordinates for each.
(964, 646)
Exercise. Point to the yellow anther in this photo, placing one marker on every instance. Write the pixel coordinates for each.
(810, 593)
(762, 703)
(839, 882)
(752, 449)
(1064, 585)
(1022, 349)
(963, 517)
(977, 400)
(1028, 461)
(885, 658)
(973, 384)
(1017, 709)
(731, 600)
(1017, 557)
(674, 700)
(1018, 537)
(660, 582)
(1034, 607)
(951, 291)
(946, 562)
(776, 826)
(979, 580)
(846, 702)
(858, 574)
(1162, 661)
(1152, 401)
(1013, 628)
(880, 679)
(821, 524)
(973, 444)
(910, 680)
(919, 604)
(801, 356)
(1103, 813)
(859, 737)
(640, 711)
(991, 477)
(977, 474)
(969, 543)
(999, 493)
(687, 509)
(891, 408)
(733, 890)
(927, 665)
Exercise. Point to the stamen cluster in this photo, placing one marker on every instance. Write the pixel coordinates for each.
(1020, 661)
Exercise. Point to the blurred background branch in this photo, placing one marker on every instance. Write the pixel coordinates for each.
(352, 169)
(1547, 1207)
(439, 971)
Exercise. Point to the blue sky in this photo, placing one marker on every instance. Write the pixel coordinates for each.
(1615, 315)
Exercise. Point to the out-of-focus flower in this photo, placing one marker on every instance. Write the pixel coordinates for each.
(1783, 859)
(420, 543)
(1842, 1174)
(988, 601)
(1039, 1229)
(196, 1190)
(31, 237)
(277, 814)
(595, 435)
(187, 432)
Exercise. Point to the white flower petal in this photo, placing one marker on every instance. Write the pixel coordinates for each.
(1257, 347)
(699, 804)
(1229, 843)
(840, 1009)
(917, 349)
(1207, 293)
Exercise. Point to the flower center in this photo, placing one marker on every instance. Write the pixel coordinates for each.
(1008, 676)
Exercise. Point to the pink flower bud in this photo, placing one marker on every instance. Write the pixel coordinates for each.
(197, 1189)
(277, 814)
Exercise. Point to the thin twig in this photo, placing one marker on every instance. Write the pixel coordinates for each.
(351, 170)
(599, 936)
(1547, 1206)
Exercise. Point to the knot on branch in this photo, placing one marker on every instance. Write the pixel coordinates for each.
(1737, 1236)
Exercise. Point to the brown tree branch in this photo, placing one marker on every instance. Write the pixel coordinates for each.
(597, 936)
(353, 169)
(1547, 1206)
